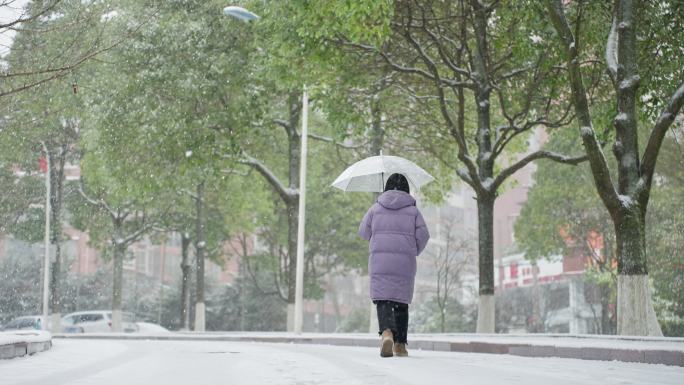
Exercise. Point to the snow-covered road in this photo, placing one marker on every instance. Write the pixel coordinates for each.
(103, 362)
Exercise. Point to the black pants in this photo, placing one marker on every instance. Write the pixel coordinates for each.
(393, 316)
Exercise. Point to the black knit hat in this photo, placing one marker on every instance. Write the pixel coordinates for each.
(397, 182)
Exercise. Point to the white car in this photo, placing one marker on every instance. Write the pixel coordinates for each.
(96, 321)
(33, 322)
(147, 327)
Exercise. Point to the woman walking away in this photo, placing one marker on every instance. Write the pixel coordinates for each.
(397, 234)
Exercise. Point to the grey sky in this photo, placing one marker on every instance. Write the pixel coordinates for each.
(9, 10)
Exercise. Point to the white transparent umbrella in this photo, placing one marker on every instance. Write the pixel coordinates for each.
(371, 173)
(240, 13)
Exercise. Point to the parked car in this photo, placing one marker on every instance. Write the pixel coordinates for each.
(148, 327)
(33, 322)
(96, 321)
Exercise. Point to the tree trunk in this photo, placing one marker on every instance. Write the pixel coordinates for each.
(443, 320)
(56, 199)
(185, 282)
(241, 283)
(332, 291)
(485, 214)
(636, 315)
(485, 199)
(162, 272)
(56, 317)
(537, 325)
(486, 308)
(200, 244)
(606, 323)
(377, 132)
(117, 279)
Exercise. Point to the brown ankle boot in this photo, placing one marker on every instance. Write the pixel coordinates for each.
(386, 342)
(400, 350)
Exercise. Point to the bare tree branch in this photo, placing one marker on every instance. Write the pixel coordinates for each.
(472, 178)
(400, 68)
(441, 50)
(20, 20)
(597, 161)
(255, 280)
(59, 72)
(655, 140)
(511, 131)
(542, 154)
(515, 72)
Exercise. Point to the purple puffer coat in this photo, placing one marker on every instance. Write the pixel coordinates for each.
(397, 234)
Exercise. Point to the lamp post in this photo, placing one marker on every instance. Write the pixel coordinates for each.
(299, 280)
(243, 14)
(46, 267)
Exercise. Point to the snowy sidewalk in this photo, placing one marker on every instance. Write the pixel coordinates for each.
(651, 350)
(129, 362)
(22, 342)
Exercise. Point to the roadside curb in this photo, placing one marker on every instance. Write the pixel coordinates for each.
(647, 356)
(20, 344)
(633, 355)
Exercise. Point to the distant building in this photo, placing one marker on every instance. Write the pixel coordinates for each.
(158, 260)
(548, 296)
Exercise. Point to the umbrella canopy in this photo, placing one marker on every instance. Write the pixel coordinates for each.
(240, 13)
(371, 173)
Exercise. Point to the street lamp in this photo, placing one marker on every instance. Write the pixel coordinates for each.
(243, 14)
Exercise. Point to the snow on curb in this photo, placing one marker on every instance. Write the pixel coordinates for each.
(24, 342)
(667, 351)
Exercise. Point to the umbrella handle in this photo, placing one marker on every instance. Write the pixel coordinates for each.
(382, 176)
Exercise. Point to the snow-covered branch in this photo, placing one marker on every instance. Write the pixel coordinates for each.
(285, 193)
(285, 124)
(96, 202)
(597, 161)
(234, 172)
(144, 227)
(188, 193)
(611, 49)
(333, 141)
